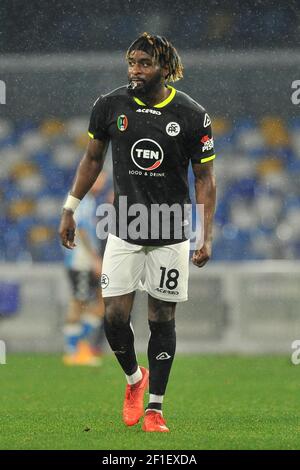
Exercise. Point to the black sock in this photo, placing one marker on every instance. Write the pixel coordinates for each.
(161, 351)
(121, 340)
(152, 405)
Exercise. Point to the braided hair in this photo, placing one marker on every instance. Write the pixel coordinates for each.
(162, 51)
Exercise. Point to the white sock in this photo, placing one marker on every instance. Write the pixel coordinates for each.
(71, 329)
(156, 398)
(134, 378)
(153, 409)
(72, 334)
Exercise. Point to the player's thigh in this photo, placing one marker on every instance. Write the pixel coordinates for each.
(118, 308)
(122, 268)
(167, 272)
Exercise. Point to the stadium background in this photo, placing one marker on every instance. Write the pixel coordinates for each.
(241, 58)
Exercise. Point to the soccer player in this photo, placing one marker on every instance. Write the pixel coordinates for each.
(155, 131)
(83, 265)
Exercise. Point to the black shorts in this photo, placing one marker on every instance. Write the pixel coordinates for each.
(84, 284)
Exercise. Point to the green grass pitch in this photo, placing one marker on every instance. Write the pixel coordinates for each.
(213, 402)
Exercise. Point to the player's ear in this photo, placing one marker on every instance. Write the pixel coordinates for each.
(165, 71)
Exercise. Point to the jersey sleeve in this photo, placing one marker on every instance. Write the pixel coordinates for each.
(98, 120)
(200, 139)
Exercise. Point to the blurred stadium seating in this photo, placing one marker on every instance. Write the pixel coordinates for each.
(241, 58)
(39, 164)
(235, 66)
(258, 168)
(63, 26)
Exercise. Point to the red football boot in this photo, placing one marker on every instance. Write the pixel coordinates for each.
(154, 422)
(133, 408)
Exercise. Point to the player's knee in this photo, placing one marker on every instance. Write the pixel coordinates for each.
(161, 311)
(115, 314)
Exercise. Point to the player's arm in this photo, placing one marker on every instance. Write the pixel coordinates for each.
(89, 168)
(87, 173)
(205, 192)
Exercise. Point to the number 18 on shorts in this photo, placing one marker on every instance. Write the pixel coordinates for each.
(161, 271)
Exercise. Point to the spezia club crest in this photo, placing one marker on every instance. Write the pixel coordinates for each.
(104, 281)
(173, 129)
(122, 122)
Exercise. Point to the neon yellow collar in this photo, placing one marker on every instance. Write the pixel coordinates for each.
(163, 103)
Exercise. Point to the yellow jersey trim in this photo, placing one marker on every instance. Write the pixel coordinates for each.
(163, 103)
(207, 159)
(139, 101)
(91, 135)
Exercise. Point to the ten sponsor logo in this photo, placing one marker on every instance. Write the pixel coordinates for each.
(147, 154)
(122, 122)
(173, 129)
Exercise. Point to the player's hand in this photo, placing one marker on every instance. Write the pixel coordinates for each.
(201, 256)
(67, 229)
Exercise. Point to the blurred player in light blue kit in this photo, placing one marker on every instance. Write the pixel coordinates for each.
(83, 327)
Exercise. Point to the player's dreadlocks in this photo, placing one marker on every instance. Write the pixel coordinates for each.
(162, 51)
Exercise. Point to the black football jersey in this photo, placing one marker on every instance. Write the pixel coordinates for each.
(151, 150)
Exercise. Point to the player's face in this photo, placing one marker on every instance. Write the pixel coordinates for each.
(144, 75)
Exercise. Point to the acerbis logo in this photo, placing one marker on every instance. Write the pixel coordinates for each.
(166, 291)
(173, 129)
(147, 111)
(147, 154)
(162, 356)
(207, 120)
